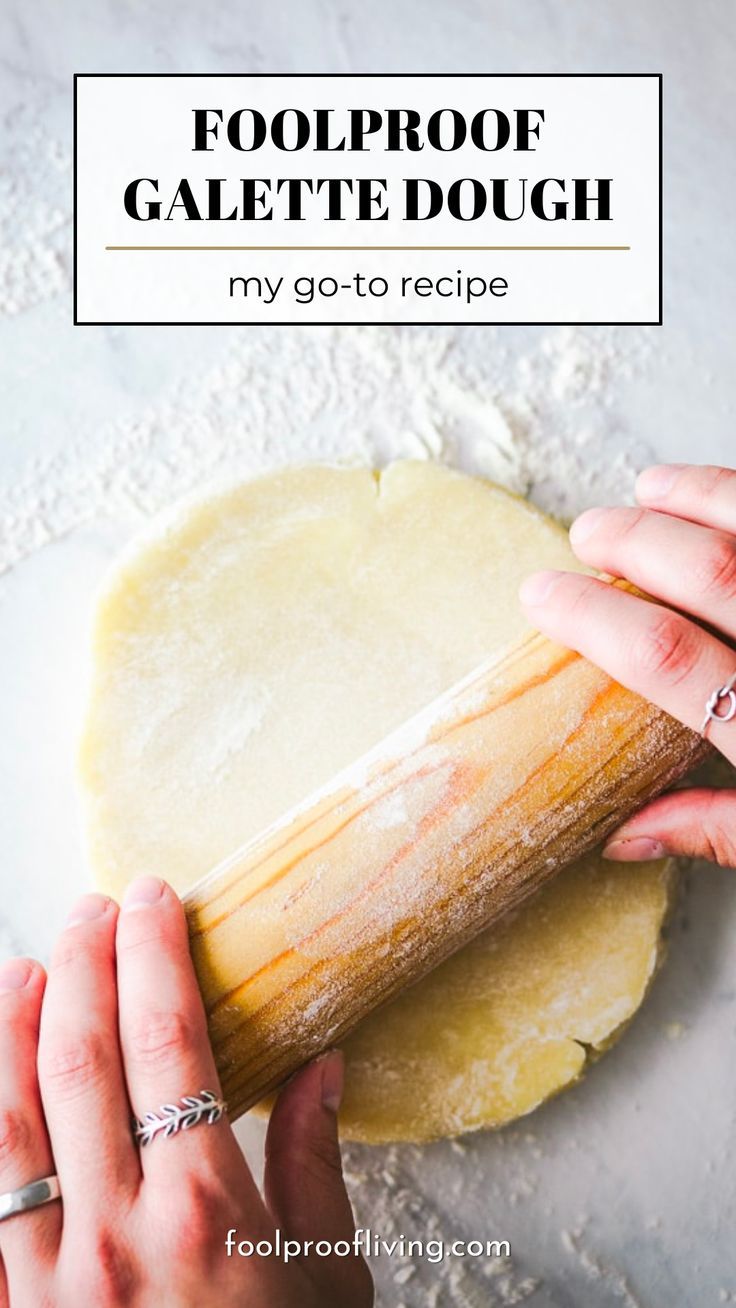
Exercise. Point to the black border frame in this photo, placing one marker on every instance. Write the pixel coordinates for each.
(231, 322)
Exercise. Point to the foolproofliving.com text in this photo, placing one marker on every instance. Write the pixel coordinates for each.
(366, 1243)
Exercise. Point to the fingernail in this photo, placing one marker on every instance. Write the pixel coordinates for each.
(143, 892)
(634, 849)
(87, 909)
(15, 973)
(538, 587)
(333, 1079)
(585, 525)
(654, 483)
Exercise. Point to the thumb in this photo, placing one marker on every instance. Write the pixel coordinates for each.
(696, 823)
(303, 1181)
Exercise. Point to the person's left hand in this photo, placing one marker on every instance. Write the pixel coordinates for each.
(119, 1025)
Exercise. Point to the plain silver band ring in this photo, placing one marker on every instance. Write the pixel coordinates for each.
(711, 708)
(30, 1196)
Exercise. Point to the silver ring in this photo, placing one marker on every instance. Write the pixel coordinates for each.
(191, 1110)
(30, 1196)
(711, 708)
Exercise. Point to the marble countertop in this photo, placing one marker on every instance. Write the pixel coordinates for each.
(621, 1192)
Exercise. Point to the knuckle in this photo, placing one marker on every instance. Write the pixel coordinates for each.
(160, 1037)
(582, 593)
(720, 842)
(79, 948)
(201, 1208)
(109, 1272)
(626, 522)
(709, 480)
(138, 935)
(70, 948)
(667, 648)
(717, 573)
(72, 1064)
(324, 1152)
(317, 1157)
(15, 1135)
(719, 847)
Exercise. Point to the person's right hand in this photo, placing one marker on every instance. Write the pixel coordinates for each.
(119, 1026)
(678, 545)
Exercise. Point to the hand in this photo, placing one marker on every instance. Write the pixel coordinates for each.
(680, 547)
(119, 1025)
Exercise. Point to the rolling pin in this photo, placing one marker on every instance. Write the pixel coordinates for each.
(453, 820)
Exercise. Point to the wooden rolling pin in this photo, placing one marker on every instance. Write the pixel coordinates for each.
(453, 820)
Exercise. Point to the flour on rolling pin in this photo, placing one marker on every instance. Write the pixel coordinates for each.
(454, 819)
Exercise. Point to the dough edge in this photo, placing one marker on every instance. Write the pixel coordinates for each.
(161, 532)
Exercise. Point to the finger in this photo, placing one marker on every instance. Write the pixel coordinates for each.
(693, 823)
(701, 493)
(25, 1150)
(163, 1031)
(660, 654)
(303, 1180)
(80, 1068)
(689, 566)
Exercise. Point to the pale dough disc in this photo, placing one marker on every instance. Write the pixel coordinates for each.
(257, 642)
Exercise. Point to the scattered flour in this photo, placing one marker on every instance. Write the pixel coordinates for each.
(526, 417)
(355, 395)
(389, 1204)
(598, 1271)
(35, 216)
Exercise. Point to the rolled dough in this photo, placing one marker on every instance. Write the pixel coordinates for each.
(252, 644)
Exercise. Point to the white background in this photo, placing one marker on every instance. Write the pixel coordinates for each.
(594, 127)
(639, 1157)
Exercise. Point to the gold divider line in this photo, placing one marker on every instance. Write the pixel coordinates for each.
(368, 248)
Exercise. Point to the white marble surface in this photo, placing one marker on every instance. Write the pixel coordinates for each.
(621, 1192)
